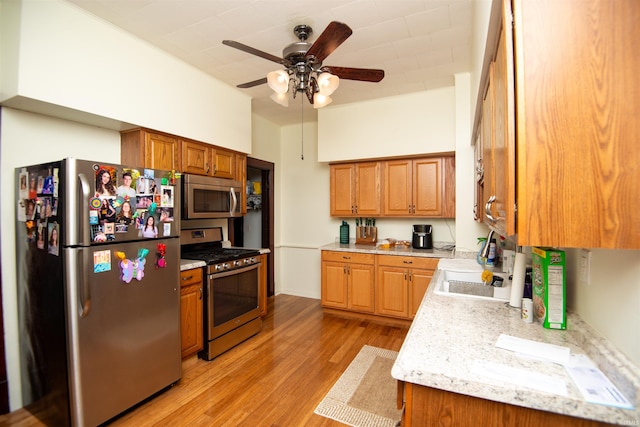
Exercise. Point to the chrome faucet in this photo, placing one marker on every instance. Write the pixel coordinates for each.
(485, 250)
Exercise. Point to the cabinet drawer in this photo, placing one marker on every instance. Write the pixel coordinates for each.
(408, 261)
(190, 277)
(355, 257)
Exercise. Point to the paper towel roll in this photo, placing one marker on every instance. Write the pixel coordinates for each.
(517, 284)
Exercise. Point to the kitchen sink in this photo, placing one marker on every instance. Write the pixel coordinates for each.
(468, 284)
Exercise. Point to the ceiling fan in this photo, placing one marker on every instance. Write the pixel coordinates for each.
(304, 71)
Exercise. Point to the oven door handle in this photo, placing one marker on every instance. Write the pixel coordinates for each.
(236, 271)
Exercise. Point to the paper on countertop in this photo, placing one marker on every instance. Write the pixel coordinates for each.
(543, 351)
(593, 384)
(521, 377)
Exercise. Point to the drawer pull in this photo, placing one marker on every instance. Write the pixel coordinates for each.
(407, 262)
(186, 278)
(346, 257)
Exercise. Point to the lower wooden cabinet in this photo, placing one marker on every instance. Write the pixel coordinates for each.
(382, 285)
(348, 281)
(191, 311)
(401, 283)
(262, 289)
(426, 406)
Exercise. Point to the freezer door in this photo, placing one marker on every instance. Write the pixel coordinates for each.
(106, 203)
(123, 325)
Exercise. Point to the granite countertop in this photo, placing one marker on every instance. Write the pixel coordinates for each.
(393, 250)
(189, 264)
(449, 334)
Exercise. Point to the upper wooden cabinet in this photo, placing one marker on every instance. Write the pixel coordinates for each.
(156, 150)
(422, 187)
(223, 163)
(419, 187)
(565, 157)
(196, 157)
(143, 148)
(205, 159)
(355, 189)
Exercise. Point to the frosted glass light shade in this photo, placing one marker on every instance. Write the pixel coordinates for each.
(327, 83)
(281, 98)
(320, 100)
(278, 81)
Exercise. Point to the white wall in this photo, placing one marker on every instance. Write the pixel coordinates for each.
(417, 123)
(26, 139)
(62, 56)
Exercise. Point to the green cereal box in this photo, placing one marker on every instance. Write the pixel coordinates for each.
(550, 287)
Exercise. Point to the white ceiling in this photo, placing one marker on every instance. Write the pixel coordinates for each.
(419, 44)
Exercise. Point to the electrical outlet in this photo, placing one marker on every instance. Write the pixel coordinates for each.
(585, 266)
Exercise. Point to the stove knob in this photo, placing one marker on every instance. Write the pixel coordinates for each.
(225, 265)
(237, 263)
(218, 267)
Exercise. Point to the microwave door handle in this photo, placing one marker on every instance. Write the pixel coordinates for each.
(234, 205)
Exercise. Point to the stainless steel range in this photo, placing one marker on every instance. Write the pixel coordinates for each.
(231, 295)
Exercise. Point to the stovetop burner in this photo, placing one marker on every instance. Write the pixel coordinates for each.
(215, 255)
(205, 244)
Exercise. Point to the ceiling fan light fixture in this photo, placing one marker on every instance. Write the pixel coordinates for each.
(320, 100)
(278, 81)
(281, 98)
(327, 83)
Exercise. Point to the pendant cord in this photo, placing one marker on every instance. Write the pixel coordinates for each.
(301, 128)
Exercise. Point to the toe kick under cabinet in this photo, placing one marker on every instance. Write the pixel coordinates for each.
(390, 286)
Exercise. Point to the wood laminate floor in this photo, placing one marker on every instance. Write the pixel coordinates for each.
(276, 378)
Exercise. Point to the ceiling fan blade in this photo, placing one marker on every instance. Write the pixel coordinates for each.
(333, 36)
(253, 83)
(362, 74)
(253, 51)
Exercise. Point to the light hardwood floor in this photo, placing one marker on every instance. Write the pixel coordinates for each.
(276, 378)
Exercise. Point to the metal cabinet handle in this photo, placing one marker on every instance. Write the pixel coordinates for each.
(200, 292)
(407, 262)
(487, 208)
(346, 257)
(186, 278)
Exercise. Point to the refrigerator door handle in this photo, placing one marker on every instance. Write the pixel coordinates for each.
(83, 208)
(84, 292)
(78, 268)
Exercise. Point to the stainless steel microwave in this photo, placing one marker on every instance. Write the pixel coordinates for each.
(206, 197)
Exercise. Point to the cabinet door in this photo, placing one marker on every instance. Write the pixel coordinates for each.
(398, 197)
(196, 158)
(161, 152)
(504, 157)
(361, 287)
(334, 284)
(241, 175)
(392, 293)
(191, 319)
(487, 141)
(367, 189)
(342, 190)
(427, 187)
(223, 164)
(262, 285)
(418, 283)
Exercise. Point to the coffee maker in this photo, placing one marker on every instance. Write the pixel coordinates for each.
(422, 237)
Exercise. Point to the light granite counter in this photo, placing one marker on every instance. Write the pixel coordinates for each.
(449, 334)
(189, 264)
(393, 250)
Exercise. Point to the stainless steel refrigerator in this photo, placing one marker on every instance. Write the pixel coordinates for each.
(98, 265)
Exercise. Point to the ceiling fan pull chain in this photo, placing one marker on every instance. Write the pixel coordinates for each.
(301, 129)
